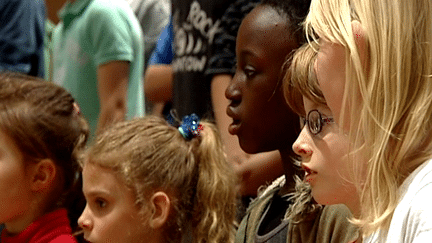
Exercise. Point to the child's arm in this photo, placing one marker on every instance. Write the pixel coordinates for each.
(113, 79)
(158, 83)
(159, 75)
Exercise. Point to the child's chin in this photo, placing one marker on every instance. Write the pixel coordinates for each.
(323, 199)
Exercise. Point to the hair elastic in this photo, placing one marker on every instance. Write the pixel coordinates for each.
(190, 127)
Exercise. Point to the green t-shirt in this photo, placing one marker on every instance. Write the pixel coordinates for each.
(91, 33)
(49, 28)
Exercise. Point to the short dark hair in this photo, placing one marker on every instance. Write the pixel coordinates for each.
(295, 11)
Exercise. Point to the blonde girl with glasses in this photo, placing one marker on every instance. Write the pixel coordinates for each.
(374, 68)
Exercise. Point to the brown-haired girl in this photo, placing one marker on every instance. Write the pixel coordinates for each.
(149, 181)
(41, 135)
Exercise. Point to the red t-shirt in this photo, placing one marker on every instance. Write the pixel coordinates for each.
(53, 227)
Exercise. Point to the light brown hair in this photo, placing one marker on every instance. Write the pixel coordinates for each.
(149, 155)
(300, 79)
(43, 121)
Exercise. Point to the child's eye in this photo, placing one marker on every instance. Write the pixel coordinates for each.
(249, 71)
(101, 203)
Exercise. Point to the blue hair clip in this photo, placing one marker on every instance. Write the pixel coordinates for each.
(190, 127)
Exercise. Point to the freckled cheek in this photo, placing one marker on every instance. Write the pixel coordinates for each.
(102, 229)
(341, 168)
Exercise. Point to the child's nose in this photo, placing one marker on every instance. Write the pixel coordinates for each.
(302, 144)
(84, 220)
(232, 92)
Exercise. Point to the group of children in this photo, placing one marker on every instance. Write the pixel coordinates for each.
(143, 180)
(359, 78)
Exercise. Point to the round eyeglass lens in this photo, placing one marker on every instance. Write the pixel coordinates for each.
(314, 121)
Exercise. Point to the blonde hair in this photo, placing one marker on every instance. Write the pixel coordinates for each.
(392, 126)
(149, 154)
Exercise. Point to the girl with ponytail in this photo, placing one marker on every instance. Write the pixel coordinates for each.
(148, 181)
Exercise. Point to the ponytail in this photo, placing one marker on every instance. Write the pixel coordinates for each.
(214, 205)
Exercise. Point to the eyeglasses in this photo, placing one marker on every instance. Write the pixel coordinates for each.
(315, 121)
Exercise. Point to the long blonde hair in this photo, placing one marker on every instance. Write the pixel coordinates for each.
(392, 126)
(149, 154)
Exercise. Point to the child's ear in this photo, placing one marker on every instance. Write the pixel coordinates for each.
(42, 175)
(361, 42)
(161, 204)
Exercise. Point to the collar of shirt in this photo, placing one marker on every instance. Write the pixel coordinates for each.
(72, 10)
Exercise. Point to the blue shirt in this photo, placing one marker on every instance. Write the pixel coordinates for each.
(21, 36)
(163, 54)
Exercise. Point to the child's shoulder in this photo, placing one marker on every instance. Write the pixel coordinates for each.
(319, 224)
(420, 178)
(109, 7)
(270, 190)
(308, 222)
(64, 239)
(250, 223)
(337, 210)
(335, 216)
(413, 212)
(265, 194)
(330, 224)
(411, 218)
(415, 191)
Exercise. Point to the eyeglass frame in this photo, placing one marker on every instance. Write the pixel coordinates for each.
(321, 121)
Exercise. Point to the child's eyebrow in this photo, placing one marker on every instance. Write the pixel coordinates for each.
(315, 106)
(248, 52)
(97, 192)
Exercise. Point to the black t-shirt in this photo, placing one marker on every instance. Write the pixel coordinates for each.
(195, 24)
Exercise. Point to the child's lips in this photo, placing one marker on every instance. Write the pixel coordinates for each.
(309, 174)
(235, 125)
